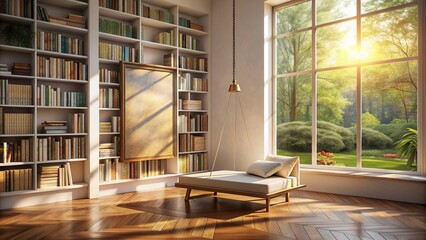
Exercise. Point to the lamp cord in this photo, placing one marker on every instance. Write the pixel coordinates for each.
(233, 41)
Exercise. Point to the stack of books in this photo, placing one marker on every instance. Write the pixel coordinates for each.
(75, 20)
(105, 127)
(191, 104)
(21, 69)
(197, 143)
(55, 127)
(54, 176)
(106, 150)
(4, 70)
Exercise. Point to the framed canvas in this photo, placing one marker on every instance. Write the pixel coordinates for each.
(148, 112)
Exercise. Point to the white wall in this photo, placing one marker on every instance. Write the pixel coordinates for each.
(250, 76)
(254, 75)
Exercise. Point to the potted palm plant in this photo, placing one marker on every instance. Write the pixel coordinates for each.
(407, 146)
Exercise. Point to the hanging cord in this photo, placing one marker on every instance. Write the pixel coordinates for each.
(221, 135)
(233, 41)
(245, 125)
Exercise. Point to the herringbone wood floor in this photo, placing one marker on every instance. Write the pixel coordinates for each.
(163, 214)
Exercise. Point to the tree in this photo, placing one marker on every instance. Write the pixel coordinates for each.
(369, 119)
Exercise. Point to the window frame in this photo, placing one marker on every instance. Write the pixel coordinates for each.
(421, 90)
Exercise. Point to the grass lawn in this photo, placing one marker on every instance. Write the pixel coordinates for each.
(349, 160)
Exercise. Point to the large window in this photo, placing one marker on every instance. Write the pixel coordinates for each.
(346, 82)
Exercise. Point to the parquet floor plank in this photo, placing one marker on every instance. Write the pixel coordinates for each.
(163, 214)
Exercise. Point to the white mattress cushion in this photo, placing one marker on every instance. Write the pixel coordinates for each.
(239, 181)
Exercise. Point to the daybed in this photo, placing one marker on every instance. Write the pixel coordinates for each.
(275, 176)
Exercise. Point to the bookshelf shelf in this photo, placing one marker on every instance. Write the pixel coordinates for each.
(63, 160)
(192, 91)
(109, 109)
(17, 19)
(59, 107)
(112, 157)
(109, 133)
(191, 152)
(157, 24)
(61, 55)
(61, 80)
(16, 76)
(106, 12)
(192, 31)
(190, 70)
(71, 4)
(190, 51)
(44, 190)
(104, 84)
(16, 135)
(195, 111)
(155, 45)
(117, 38)
(16, 49)
(137, 179)
(61, 134)
(194, 132)
(16, 106)
(16, 164)
(61, 28)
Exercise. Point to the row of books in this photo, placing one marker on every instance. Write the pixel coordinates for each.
(16, 151)
(188, 41)
(72, 20)
(193, 162)
(187, 82)
(117, 28)
(113, 126)
(52, 67)
(128, 6)
(110, 149)
(21, 8)
(168, 38)
(77, 123)
(108, 76)
(54, 176)
(157, 14)
(199, 64)
(184, 22)
(58, 148)
(16, 180)
(50, 96)
(15, 94)
(197, 122)
(185, 104)
(189, 142)
(117, 52)
(16, 123)
(57, 42)
(113, 169)
(109, 97)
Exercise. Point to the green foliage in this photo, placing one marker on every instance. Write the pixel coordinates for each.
(407, 146)
(297, 136)
(369, 119)
(372, 139)
(394, 131)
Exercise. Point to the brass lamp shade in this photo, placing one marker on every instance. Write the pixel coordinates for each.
(234, 87)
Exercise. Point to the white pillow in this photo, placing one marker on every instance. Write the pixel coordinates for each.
(287, 163)
(263, 168)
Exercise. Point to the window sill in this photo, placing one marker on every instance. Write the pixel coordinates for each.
(384, 174)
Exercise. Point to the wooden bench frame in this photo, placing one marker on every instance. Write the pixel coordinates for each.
(267, 196)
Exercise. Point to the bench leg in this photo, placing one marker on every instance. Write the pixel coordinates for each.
(215, 193)
(268, 204)
(287, 197)
(188, 193)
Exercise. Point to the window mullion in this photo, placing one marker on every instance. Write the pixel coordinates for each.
(314, 85)
(359, 90)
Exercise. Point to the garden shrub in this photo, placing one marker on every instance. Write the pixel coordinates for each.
(372, 139)
(296, 136)
(395, 130)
